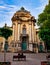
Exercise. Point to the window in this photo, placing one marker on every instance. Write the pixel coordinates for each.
(24, 30)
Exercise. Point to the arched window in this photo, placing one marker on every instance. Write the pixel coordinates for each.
(24, 29)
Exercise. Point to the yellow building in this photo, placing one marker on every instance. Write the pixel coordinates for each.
(25, 35)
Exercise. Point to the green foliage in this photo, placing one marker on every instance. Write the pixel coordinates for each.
(44, 16)
(47, 9)
(44, 23)
(41, 19)
(5, 32)
(0, 32)
(44, 34)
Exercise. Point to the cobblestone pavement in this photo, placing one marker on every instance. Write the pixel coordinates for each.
(31, 59)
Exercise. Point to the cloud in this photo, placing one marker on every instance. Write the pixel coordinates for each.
(7, 11)
(44, 2)
(1, 7)
(7, 6)
(40, 8)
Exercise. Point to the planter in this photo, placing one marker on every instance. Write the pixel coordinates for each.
(5, 63)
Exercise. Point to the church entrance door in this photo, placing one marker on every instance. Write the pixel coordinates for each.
(24, 43)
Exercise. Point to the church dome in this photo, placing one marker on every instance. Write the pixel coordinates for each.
(22, 15)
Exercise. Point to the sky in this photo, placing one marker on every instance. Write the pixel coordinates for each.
(9, 7)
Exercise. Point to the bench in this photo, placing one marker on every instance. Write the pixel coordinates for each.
(19, 57)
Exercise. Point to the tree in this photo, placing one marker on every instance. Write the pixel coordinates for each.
(44, 23)
(45, 16)
(44, 34)
(5, 32)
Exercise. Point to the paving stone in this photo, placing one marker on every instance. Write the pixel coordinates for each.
(31, 59)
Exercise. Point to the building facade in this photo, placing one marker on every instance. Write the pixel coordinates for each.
(25, 35)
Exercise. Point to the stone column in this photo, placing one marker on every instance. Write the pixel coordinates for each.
(14, 31)
(18, 31)
(35, 34)
(30, 32)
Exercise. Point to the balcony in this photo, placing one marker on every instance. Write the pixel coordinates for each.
(24, 35)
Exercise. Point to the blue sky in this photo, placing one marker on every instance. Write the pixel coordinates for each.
(9, 7)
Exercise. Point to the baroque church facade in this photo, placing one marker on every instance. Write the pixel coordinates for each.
(25, 35)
